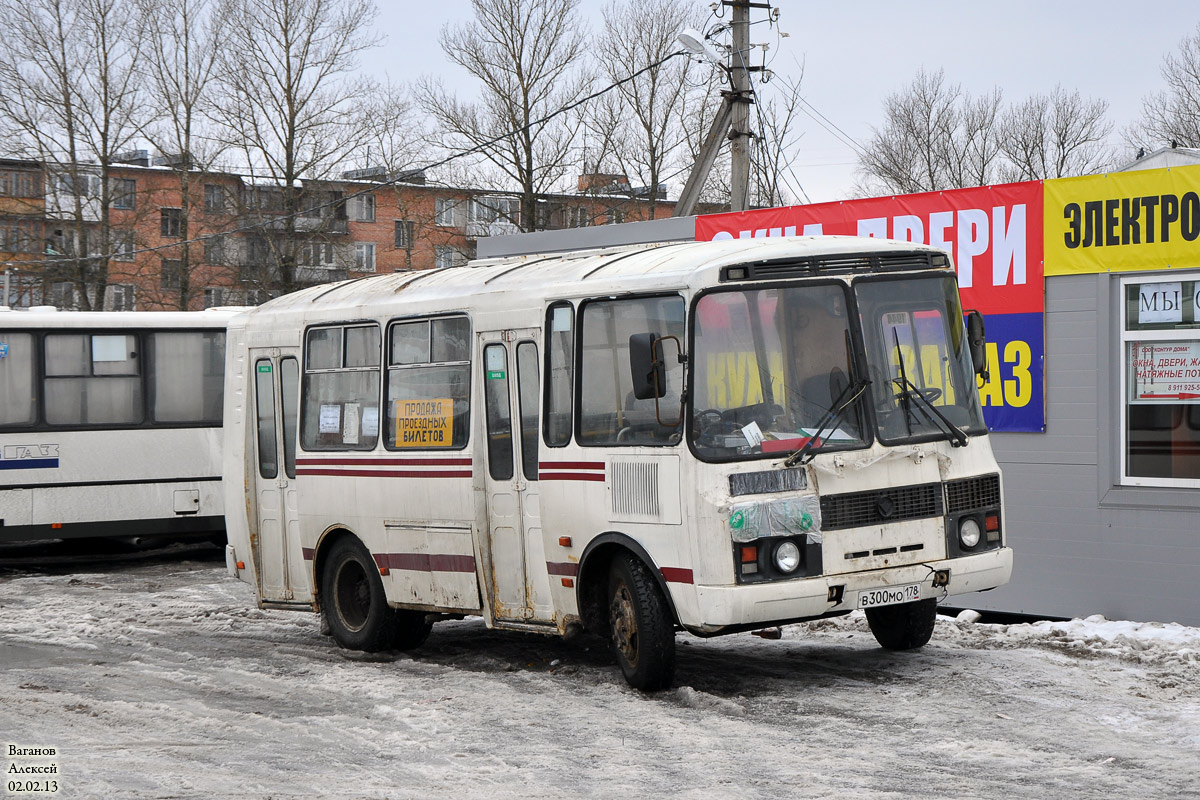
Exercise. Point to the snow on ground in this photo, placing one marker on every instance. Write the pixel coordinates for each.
(164, 680)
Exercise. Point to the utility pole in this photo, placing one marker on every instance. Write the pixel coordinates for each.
(739, 134)
(732, 120)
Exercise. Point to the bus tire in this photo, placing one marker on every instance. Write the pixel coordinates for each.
(352, 599)
(640, 627)
(903, 627)
(412, 629)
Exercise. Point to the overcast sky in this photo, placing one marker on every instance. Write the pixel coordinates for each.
(855, 53)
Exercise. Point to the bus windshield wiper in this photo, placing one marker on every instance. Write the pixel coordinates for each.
(907, 391)
(848, 397)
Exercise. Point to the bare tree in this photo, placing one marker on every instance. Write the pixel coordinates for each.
(641, 126)
(1173, 116)
(774, 147)
(289, 106)
(524, 54)
(68, 87)
(935, 136)
(185, 43)
(1055, 136)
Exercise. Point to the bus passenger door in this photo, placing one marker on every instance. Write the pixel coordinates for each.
(520, 584)
(277, 545)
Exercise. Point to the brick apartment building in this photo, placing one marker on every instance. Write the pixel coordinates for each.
(227, 240)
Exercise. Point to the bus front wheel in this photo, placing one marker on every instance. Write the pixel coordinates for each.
(353, 601)
(903, 627)
(643, 636)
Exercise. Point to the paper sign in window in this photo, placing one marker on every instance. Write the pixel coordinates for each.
(425, 423)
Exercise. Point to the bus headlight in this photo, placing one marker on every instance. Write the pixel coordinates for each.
(787, 557)
(969, 532)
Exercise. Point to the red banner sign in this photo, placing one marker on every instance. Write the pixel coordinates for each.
(994, 234)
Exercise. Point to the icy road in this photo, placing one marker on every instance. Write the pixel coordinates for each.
(162, 680)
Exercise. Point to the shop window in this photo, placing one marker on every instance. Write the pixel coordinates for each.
(1160, 410)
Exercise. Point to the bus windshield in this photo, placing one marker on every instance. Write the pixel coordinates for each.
(771, 370)
(775, 368)
(922, 381)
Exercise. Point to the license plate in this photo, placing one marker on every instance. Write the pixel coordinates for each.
(890, 596)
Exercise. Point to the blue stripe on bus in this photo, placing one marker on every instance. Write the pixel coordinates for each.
(29, 463)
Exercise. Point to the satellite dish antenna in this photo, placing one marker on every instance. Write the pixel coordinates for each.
(695, 43)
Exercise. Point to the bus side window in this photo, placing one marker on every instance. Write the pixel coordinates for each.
(609, 411)
(289, 379)
(340, 406)
(264, 398)
(186, 370)
(428, 399)
(560, 373)
(527, 396)
(92, 379)
(18, 400)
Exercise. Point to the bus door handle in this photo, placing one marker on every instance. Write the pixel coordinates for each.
(281, 483)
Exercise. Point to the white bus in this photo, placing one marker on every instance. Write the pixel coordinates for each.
(110, 424)
(712, 437)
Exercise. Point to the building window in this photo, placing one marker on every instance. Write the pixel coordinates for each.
(493, 209)
(214, 296)
(214, 198)
(81, 185)
(578, 217)
(444, 209)
(19, 183)
(404, 234)
(171, 220)
(1160, 408)
(214, 250)
(616, 216)
(444, 256)
(362, 208)
(122, 249)
(20, 236)
(317, 254)
(62, 295)
(364, 257)
(120, 297)
(124, 193)
(172, 273)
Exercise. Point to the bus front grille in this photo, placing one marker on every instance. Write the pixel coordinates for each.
(973, 493)
(856, 509)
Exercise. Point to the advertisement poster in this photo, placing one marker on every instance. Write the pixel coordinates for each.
(994, 234)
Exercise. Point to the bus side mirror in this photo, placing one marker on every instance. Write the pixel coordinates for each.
(977, 341)
(647, 370)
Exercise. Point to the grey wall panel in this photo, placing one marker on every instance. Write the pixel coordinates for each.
(1083, 546)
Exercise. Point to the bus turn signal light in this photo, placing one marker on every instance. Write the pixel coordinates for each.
(564, 541)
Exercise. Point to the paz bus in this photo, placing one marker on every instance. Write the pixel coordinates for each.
(707, 437)
(110, 423)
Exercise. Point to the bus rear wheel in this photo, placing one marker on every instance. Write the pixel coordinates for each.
(642, 634)
(353, 601)
(903, 627)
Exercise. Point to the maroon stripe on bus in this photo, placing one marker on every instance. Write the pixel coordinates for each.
(571, 476)
(387, 462)
(424, 562)
(564, 568)
(570, 465)
(676, 574)
(385, 473)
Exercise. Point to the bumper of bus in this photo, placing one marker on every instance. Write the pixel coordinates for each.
(718, 608)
